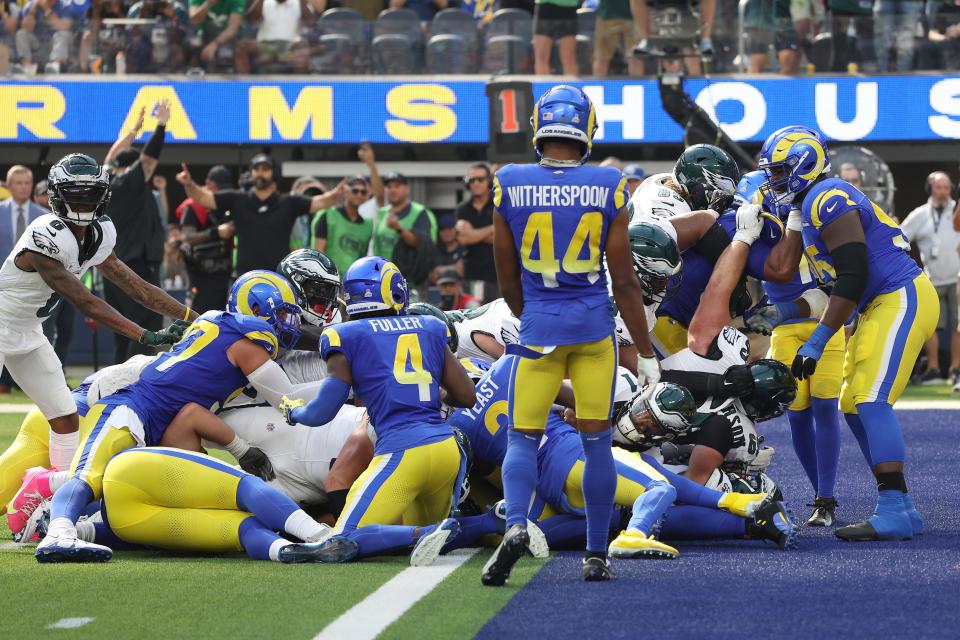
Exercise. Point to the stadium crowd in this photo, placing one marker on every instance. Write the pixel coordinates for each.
(595, 37)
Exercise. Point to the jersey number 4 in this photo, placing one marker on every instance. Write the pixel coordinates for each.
(409, 353)
(538, 239)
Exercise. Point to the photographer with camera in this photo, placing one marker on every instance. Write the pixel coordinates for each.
(207, 244)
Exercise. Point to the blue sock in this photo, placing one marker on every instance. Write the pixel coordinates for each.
(599, 486)
(519, 473)
(688, 491)
(698, 523)
(378, 539)
(269, 505)
(650, 506)
(256, 539)
(883, 432)
(564, 531)
(826, 416)
(856, 427)
(71, 500)
(472, 528)
(804, 442)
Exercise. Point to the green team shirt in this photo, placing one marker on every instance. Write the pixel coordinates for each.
(561, 3)
(218, 16)
(614, 10)
(347, 240)
(415, 217)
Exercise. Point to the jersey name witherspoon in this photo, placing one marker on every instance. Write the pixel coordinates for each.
(552, 195)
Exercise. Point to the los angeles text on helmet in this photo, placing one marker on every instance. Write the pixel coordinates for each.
(552, 195)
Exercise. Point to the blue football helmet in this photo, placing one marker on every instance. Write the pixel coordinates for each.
(375, 284)
(792, 158)
(271, 297)
(749, 191)
(564, 112)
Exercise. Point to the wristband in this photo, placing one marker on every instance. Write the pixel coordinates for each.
(820, 337)
(795, 220)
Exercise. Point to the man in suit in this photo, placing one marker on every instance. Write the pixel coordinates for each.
(16, 212)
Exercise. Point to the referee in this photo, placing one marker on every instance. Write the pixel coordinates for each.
(263, 217)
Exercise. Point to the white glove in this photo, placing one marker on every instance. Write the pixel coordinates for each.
(795, 220)
(749, 223)
(648, 370)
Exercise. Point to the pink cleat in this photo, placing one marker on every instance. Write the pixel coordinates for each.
(34, 490)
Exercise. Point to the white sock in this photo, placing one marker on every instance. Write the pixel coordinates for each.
(301, 525)
(57, 480)
(58, 526)
(86, 531)
(274, 552)
(62, 448)
(237, 447)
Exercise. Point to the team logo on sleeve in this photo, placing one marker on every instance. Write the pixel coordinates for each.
(45, 243)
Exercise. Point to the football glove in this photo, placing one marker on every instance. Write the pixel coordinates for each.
(648, 371)
(286, 408)
(737, 381)
(805, 363)
(749, 223)
(169, 335)
(255, 462)
(765, 316)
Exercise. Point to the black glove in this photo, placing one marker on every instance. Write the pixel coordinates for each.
(256, 462)
(803, 367)
(737, 381)
(169, 335)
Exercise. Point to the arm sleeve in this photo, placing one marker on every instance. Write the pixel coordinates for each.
(701, 385)
(850, 261)
(272, 383)
(331, 395)
(716, 434)
(713, 242)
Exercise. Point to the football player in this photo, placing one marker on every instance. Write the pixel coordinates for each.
(396, 364)
(789, 314)
(227, 350)
(45, 265)
(852, 243)
(485, 332)
(553, 223)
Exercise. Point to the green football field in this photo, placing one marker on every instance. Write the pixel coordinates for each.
(163, 595)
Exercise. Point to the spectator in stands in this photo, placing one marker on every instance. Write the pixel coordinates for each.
(30, 23)
(344, 232)
(475, 232)
(65, 18)
(159, 46)
(8, 30)
(425, 9)
(449, 251)
(405, 231)
(174, 272)
(263, 217)
(140, 231)
(942, 49)
(278, 36)
(846, 16)
(674, 19)
(301, 236)
(616, 29)
(208, 244)
(849, 172)
(99, 44)
(452, 295)
(555, 20)
(16, 213)
(932, 227)
(635, 176)
(895, 25)
(219, 23)
(771, 23)
(40, 195)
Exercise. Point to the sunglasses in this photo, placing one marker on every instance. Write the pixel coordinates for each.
(359, 192)
(472, 180)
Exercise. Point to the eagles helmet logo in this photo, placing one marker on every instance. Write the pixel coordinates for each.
(719, 182)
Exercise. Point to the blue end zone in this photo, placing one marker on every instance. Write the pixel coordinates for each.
(743, 589)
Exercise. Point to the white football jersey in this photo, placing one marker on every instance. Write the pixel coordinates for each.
(301, 456)
(493, 319)
(654, 200)
(25, 298)
(733, 348)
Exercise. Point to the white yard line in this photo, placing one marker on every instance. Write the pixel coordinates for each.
(11, 545)
(376, 612)
(70, 623)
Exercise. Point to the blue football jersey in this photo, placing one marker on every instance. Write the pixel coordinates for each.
(485, 423)
(889, 263)
(770, 235)
(195, 370)
(803, 280)
(397, 366)
(560, 218)
(559, 452)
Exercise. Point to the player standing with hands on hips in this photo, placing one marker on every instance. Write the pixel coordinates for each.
(553, 223)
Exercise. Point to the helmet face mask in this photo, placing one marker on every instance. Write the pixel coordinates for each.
(272, 298)
(316, 277)
(78, 189)
(656, 415)
(792, 159)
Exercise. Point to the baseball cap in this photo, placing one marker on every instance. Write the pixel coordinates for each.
(394, 176)
(356, 179)
(220, 176)
(261, 158)
(634, 172)
(446, 275)
(40, 188)
(446, 221)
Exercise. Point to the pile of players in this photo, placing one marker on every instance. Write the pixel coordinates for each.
(387, 433)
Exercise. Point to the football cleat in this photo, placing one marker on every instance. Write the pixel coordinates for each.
(35, 527)
(66, 547)
(889, 526)
(538, 546)
(333, 550)
(744, 505)
(824, 512)
(634, 544)
(497, 570)
(428, 547)
(597, 569)
(772, 521)
(34, 489)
